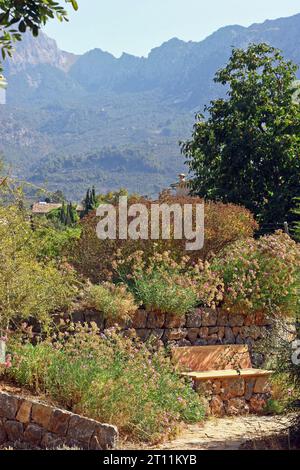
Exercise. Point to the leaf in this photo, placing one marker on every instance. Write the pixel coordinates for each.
(22, 27)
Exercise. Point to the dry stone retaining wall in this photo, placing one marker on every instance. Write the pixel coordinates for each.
(32, 424)
(235, 396)
(202, 327)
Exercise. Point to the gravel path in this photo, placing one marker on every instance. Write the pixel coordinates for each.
(230, 433)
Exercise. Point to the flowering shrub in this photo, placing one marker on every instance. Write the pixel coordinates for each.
(114, 302)
(224, 224)
(113, 379)
(162, 284)
(261, 274)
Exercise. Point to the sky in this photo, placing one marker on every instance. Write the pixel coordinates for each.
(137, 26)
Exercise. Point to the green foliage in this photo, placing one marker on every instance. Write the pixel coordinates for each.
(163, 285)
(65, 216)
(296, 226)
(261, 275)
(17, 16)
(53, 243)
(90, 201)
(28, 288)
(247, 150)
(114, 380)
(157, 296)
(114, 302)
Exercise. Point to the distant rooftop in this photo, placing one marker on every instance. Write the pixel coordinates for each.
(44, 207)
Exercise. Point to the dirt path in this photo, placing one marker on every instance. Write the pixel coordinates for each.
(229, 433)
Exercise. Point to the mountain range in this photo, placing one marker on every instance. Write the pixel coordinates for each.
(71, 121)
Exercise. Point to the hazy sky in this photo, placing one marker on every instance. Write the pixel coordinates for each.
(136, 26)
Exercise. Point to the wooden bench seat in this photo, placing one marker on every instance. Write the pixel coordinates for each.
(228, 374)
(224, 376)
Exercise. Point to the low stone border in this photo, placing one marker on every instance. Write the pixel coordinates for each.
(42, 426)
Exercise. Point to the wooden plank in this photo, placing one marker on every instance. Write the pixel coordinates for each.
(220, 357)
(227, 374)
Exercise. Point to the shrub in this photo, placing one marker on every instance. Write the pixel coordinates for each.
(113, 379)
(260, 275)
(224, 224)
(28, 288)
(113, 301)
(168, 286)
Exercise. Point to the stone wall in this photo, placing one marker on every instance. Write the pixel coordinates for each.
(235, 396)
(202, 327)
(30, 424)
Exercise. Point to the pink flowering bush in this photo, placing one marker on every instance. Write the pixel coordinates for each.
(112, 379)
(261, 274)
(164, 285)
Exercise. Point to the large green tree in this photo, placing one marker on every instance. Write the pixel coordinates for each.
(18, 16)
(246, 149)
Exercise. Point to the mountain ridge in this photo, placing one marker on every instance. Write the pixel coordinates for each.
(76, 120)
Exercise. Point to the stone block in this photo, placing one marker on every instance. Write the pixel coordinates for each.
(217, 407)
(249, 320)
(51, 441)
(222, 318)
(175, 321)
(24, 412)
(212, 339)
(236, 320)
(236, 407)
(107, 436)
(3, 435)
(209, 317)
(41, 414)
(14, 430)
(194, 319)
(229, 336)
(233, 388)
(204, 332)
(139, 320)
(33, 434)
(221, 333)
(81, 429)
(262, 385)
(176, 334)
(192, 334)
(257, 404)
(249, 388)
(59, 422)
(156, 320)
(8, 405)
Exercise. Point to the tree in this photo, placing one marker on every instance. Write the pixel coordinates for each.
(18, 16)
(28, 288)
(90, 201)
(247, 150)
(296, 227)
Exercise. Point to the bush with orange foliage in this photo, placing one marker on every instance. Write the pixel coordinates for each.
(224, 224)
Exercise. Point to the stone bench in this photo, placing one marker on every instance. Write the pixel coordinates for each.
(225, 377)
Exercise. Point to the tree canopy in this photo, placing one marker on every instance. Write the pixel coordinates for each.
(246, 150)
(16, 17)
